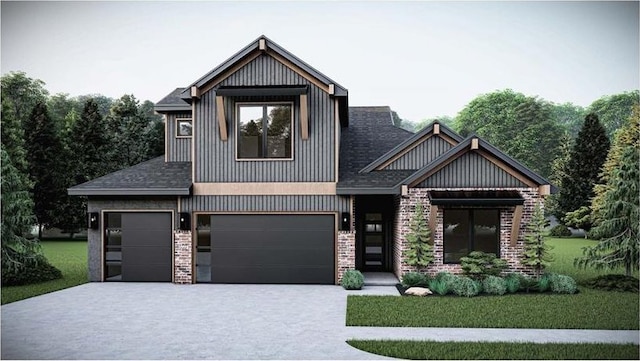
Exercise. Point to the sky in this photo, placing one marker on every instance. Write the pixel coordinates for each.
(424, 59)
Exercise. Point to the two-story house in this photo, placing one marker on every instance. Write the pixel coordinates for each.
(270, 177)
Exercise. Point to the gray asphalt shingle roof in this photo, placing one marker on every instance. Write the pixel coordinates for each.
(153, 177)
(370, 134)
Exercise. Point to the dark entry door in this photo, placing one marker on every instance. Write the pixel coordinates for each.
(374, 250)
(273, 248)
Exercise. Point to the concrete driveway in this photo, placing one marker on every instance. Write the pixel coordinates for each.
(166, 321)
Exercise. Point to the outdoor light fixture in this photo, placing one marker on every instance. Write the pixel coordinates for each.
(93, 220)
(185, 221)
(345, 222)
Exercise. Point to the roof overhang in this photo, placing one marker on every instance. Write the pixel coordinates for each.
(476, 198)
(362, 191)
(77, 191)
(160, 108)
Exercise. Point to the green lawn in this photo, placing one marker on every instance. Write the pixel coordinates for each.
(70, 257)
(431, 350)
(589, 309)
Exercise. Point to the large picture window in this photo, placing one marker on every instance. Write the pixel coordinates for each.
(264, 131)
(467, 230)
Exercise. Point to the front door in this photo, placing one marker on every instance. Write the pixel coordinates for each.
(374, 250)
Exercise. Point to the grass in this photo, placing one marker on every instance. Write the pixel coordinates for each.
(431, 350)
(69, 256)
(589, 309)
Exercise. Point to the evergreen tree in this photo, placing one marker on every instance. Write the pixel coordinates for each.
(127, 126)
(620, 225)
(535, 252)
(46, 168)
(587, 156)
(628, 135)
(558, 173)
(420, 252)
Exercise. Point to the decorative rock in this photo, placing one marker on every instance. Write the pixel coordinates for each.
(418, 291)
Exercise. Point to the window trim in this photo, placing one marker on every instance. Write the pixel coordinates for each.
(181, 118)
(265, 103)
(471, 235)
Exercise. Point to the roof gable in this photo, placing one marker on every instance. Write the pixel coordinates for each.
(262, 45)
(474, 161)
(418, 150)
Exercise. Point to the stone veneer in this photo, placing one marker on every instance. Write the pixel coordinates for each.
(405, 206)
(183, 253)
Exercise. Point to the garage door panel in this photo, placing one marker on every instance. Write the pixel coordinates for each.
(250, 274)
(272, 248)
(146, 273)
(146, 255)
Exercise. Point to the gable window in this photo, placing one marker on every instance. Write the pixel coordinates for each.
(184, 125)
(264, 131)
(467, 230)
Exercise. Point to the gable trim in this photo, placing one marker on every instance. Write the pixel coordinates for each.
(228, 72)
(506, 168)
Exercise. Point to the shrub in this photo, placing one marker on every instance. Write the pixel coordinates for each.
(466, 287)
(442, 284)
(415, 279)
(560, 230)
(562, 284)
(352, 280)
(479, 265)
(36, 271)
(494, 285)
(512, 282)
(544, 283)
(619, 283)
(528, 284)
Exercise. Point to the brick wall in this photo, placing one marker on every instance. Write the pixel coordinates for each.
(405, 206)
(347, 245)
(183, 253)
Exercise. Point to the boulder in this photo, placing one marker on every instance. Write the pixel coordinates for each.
(418, 291)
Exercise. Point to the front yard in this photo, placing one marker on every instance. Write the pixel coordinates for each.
(70, 257)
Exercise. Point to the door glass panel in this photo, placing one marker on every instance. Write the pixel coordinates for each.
(203, 248)
(373, 241)
(373, 217)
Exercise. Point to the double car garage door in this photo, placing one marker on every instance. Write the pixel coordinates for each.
(272, 248)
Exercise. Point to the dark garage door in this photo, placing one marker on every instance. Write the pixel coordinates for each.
(272, 248)
(138, 246)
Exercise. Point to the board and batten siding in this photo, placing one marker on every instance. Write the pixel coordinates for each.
(178, 149)
(421, 155)
(471, 170)
(278, 203)
(313, 159)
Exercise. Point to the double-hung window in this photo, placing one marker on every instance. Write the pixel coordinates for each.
(264, 130)
(467, 230)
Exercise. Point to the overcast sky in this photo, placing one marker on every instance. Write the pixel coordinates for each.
(424, 59)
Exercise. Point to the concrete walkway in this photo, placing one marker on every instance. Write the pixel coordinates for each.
(165, 321)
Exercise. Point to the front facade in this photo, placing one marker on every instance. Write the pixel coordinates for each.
(270, 177)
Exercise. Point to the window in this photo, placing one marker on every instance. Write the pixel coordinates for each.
(184, 125)
(264, 131)
(467, 230)
(113, 246)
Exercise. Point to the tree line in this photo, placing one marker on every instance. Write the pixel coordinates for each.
(53, 142)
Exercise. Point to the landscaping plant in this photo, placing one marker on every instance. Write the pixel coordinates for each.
(543, 284)
(562, 284)
(619, 283)
(495, 285)
(536, 253)
(479, 265)
(411, 279)
(420, 251)
(512, 282)
(560, 230)
(466, 287)
(352, 280)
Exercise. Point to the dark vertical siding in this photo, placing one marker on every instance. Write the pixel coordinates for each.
(178, 149)
(313, 159)
(265, 204)
(421, 155)
(471, 170)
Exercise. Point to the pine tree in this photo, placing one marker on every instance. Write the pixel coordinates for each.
(620, 225)
(46, 165)
(420, 252)
(558, 173)
(628, 135)
(536, 252)
(587, 156)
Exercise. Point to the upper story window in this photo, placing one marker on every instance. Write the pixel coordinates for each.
(184, 125)
(264, 130)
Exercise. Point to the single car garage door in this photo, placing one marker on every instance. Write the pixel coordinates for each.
(138, 246)
(272, 248)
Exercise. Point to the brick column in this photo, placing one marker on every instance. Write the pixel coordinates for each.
(183, 257)
(346, 252)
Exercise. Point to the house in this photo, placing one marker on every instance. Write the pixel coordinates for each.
(270, 177)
